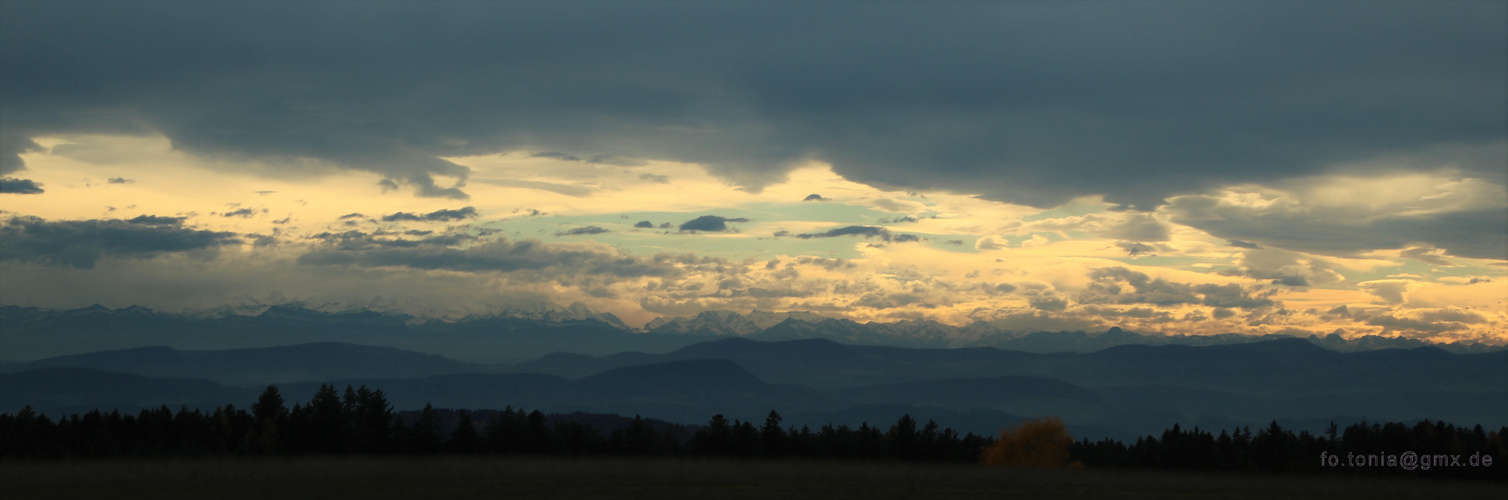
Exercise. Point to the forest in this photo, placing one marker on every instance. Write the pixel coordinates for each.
(360, 421)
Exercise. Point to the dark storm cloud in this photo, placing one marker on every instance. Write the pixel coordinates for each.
(20, 186)
(81, 243)
(711, 223)
(435, 216)
(580, 231)
(1026, 102)
(865, 231)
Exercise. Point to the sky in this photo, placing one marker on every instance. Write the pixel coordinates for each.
(1184, 168)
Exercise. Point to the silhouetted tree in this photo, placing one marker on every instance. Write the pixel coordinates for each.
(327, 421)
(773, 437)
(901, 439)
(373, 420)
(465, 439)
(714, 439)
(270, 416)
(424, 438)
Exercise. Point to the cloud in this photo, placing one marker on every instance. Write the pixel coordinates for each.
(662, 179)
(1109, 287)
(709, 223)
(1428, 256)
(1150, 100)
(352, 215)
(555, 156)
(865, 231)
(245, 213)
(360, 240)
(1036, 241)
(156, 220)
(553, 187)
(122, 180)
(814, 197)
(1387, 291)
(1133, 248)
(81, 243)
(499, 255)
(579, 231)
(1330, 216)
(1139, 228)
(1283, 267)
(1231, 295)
(10, 185)
(1424, 322)
(1243, 244)
(991, 242)
(435, 216)
(644, 224)
(616, 161)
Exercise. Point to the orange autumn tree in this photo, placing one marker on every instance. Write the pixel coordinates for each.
(1040, 442)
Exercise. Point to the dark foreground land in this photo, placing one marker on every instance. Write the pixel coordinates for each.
(411, 478)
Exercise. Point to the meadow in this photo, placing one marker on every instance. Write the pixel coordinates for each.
(489, 477)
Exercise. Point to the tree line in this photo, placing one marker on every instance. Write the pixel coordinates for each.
(361, 421)
(1439, 449)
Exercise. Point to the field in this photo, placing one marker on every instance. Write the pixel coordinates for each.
(413, 478)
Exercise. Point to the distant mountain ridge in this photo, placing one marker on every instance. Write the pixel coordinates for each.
(1122, 390)
(252, 367)
(32, 333)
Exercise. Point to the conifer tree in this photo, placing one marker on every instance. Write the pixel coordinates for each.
(465, 439)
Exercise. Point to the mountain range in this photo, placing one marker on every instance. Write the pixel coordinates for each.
(31, 333)
(1121, 392)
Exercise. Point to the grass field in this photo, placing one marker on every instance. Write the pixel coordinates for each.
(466, 478)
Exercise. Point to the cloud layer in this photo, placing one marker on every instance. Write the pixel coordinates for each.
(1023, 102)
(81, 243)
